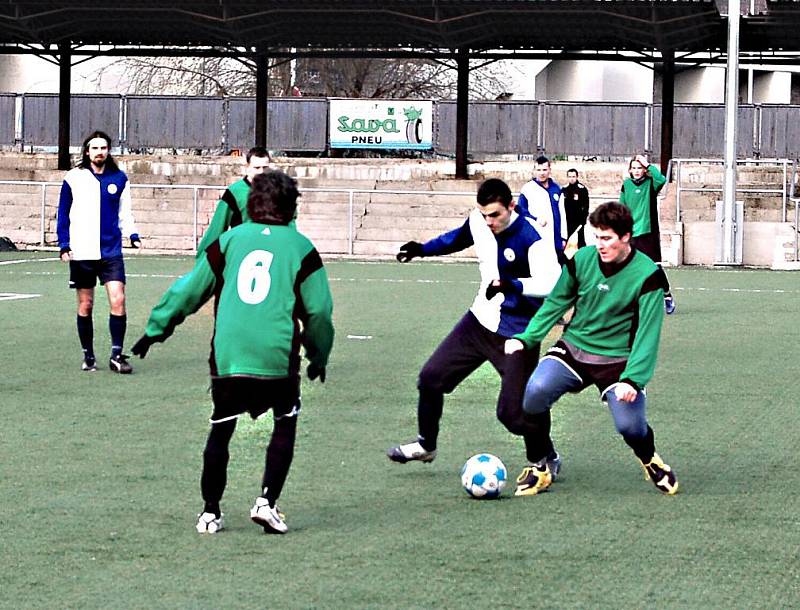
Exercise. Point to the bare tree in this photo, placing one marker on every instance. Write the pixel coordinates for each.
(357, 78)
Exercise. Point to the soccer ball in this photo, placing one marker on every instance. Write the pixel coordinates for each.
(484, 476)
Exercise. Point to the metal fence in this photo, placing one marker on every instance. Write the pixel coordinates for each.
(495, 128)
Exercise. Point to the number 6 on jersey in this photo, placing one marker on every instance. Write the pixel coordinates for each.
(253, 280)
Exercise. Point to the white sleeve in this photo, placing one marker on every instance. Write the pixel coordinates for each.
(126, 224)
(544, 267)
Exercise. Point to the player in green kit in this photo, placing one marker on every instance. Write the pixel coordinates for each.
(231, 209)
(611, 342)
(272, 296)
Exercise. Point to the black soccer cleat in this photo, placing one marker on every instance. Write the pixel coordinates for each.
(410, 452)
(89, 364)
(119, 364)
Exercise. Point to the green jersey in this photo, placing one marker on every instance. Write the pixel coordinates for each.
(272, 296)
(619, 309)
(231, 211)
(641, 199)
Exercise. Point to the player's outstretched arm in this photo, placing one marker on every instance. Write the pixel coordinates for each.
(318, 330)
(182, 299)
(644, 351)
(447, 243)
(409, 251)
(559, 301)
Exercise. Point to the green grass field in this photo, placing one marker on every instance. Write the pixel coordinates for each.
(99, 474)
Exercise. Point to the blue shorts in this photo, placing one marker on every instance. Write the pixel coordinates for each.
(84, 274)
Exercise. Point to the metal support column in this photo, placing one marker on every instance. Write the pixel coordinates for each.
(667, 107)
(64, 78)
(262, 93)
(462, 112)
(729, 228)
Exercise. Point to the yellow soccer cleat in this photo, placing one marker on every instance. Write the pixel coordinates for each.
(661, 475)
(533, 480)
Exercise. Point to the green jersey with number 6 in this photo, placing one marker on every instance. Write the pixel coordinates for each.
(272, 296)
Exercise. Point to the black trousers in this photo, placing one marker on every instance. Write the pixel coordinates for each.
(465, 349)
(233, 397)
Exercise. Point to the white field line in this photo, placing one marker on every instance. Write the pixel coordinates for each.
(29, 260)
(401, 281)
(16, 296)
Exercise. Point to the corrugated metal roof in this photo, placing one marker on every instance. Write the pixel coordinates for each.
(683, 25)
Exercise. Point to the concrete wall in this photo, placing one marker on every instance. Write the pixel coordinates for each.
(381, 220)
(594, 81)
(700, 86)
(772, 88)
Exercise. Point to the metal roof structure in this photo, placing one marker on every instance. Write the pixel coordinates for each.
(335, 26)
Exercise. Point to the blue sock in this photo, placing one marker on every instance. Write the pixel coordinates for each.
(86, 336)
(117, 326)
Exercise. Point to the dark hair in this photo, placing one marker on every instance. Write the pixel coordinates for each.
(494, 190)
(273, 198)
(86, 162)
(612, 215)
(542, 159)
(572, 169)
(257, 151)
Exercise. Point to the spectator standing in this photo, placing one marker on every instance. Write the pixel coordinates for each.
(576, 206)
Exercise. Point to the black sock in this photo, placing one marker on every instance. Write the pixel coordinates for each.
(215, 464)
(117, 326)
(86, 336)
(278, 459)
(662, 276)
(213, 508)
(429, 412)
(644, 447)
(538, 444)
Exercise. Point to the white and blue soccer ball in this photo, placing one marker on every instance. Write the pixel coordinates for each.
(484, 476)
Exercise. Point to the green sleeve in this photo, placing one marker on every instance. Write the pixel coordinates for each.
(218, 225)
(644, 351)
(658, 178)
(318, 326)
(183, 298)
(561, 298)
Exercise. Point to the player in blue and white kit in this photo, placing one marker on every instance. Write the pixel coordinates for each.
(94, 212)
(548, 212)
(518, 269)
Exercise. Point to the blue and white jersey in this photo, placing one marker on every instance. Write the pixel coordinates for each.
(518, 255)
(546, 206)
(94, 212)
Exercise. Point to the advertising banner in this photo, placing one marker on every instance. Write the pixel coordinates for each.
(404, 124)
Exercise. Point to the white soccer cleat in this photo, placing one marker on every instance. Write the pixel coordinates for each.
(209, 523)
(268, 517)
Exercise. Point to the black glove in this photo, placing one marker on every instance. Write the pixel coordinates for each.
(314, 370)
(503, 286)
(141, 347)
(409, 250)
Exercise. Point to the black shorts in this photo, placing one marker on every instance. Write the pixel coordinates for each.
(649, 244)
(234, 396)
(84, 274)
(603, 376)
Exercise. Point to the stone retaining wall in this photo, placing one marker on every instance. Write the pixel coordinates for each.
(381, 220)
